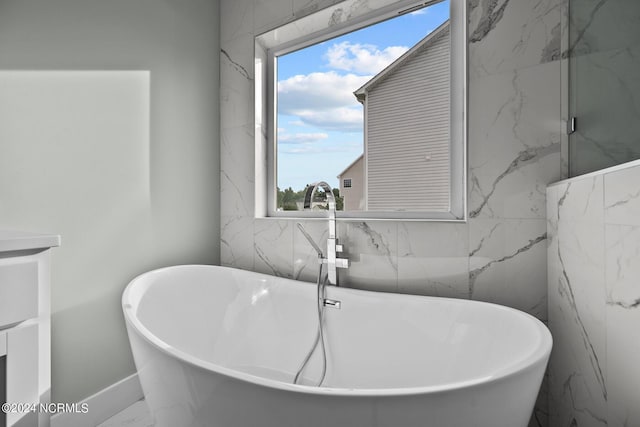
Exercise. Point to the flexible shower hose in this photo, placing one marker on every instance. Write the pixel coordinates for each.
(320, 297)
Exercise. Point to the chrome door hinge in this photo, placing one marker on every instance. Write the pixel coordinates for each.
(572, 125)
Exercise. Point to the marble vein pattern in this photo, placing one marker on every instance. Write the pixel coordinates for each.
(237, 183)
(236, 243)
(622, 197)
(372, 249)
(623, 268)
(236, 89)
(239, 68)
(433, 259)
(237, 23)
(514, 150)
(576, 294)
(622, 232)
(473, 274)
(582, 19)
(601, 25)
(623, 316)
(490, 13)
(594, 298)
(274, 247)
(307, 7)
(507, 264)
(507, 35)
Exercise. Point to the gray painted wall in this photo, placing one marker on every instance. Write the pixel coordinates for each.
(178, 43)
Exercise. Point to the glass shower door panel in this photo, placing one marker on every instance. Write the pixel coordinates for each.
(604, 63)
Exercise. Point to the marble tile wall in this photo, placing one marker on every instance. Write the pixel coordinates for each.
(594, 298)
(499, 253)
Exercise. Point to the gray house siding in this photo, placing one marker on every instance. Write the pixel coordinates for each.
(353, 195)
(407, 132)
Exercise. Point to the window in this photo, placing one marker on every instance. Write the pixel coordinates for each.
(378, 96)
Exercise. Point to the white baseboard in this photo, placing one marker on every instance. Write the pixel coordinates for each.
(103, 405)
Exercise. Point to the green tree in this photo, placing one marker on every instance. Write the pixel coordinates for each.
(289, 199)
(339, 199)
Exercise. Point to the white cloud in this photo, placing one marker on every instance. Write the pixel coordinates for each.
(300, 138)
(302, 146)
(362, 58)
(346, 119)
(323, 100)
(306, 148)
(318, 90)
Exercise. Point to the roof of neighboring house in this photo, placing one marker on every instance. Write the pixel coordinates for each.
(351, 165)
(428, 40)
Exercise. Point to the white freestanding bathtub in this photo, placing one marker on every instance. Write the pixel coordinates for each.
(216, 346)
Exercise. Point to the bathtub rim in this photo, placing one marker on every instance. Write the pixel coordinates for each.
(530, 362)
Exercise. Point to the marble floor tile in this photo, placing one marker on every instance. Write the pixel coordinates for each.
(136, 415)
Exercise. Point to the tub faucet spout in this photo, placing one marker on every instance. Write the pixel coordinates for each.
(333, 246)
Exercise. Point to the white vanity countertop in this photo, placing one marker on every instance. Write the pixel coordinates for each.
(11, 240)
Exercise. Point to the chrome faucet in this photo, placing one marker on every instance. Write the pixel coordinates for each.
(333, 247)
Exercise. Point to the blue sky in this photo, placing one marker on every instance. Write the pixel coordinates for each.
(320, 123)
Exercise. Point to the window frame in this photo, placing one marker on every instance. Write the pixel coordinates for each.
(289, 38)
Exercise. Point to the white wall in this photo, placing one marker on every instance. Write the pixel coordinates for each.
(169, 214)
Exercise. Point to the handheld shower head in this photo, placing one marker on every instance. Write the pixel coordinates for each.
(315, 246)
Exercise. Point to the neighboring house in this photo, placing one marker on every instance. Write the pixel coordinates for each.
(407, 127)
(352, 185)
